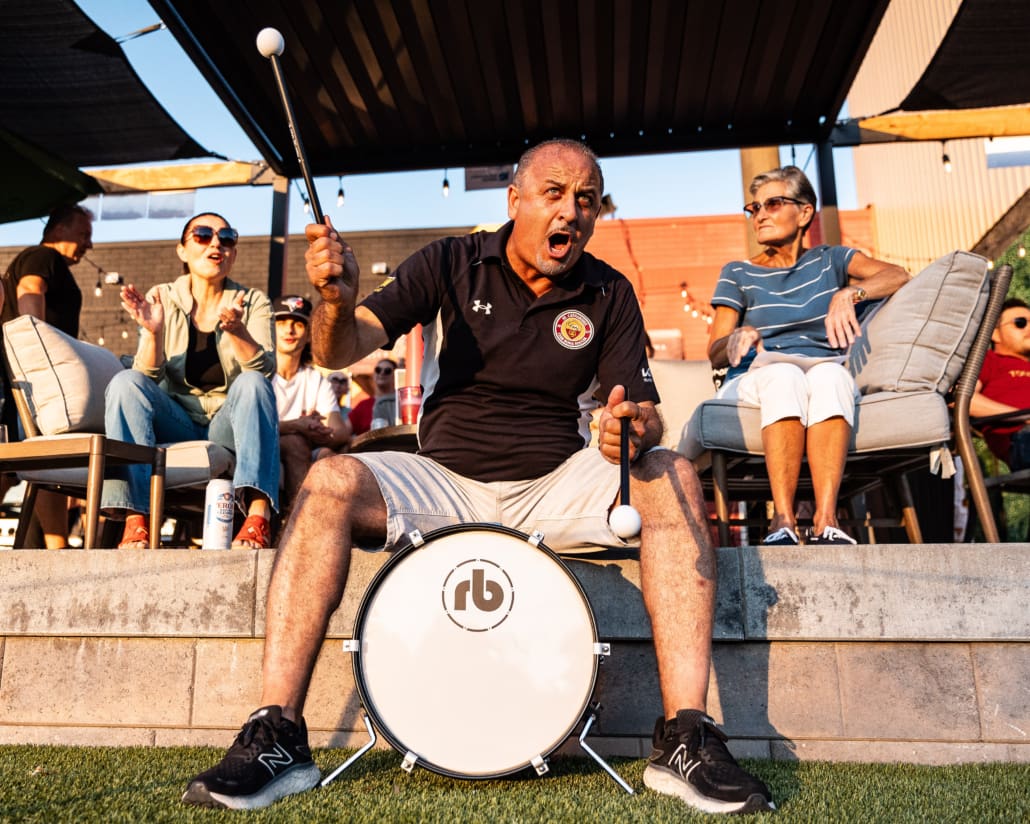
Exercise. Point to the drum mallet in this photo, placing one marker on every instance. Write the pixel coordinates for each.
(271, 44)
(624, 519)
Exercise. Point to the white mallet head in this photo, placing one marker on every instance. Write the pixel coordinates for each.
(624, 521)
(270, 41)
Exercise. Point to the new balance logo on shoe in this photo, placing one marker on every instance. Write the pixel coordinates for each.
(278, 757)
(682, 762)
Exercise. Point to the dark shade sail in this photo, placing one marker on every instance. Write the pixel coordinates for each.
(382, 85)
(35, 181)
(981, 62)
(66, 87)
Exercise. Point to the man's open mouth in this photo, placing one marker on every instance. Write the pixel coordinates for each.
(559, 243)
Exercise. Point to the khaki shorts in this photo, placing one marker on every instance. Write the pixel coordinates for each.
(569, 506)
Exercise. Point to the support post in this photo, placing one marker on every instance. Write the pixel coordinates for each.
(278, 236)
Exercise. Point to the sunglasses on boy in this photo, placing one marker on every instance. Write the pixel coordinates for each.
(1019, 323)
(205, 234)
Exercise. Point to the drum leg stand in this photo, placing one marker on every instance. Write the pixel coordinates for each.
(371, 743)
(594, 710)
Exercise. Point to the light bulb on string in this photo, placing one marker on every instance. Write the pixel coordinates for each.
(98, 290)
(1021, 251)
(339, 192)
(683, 290)
(945, 160)
(446, 184)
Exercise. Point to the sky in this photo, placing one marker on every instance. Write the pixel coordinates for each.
(665, 185)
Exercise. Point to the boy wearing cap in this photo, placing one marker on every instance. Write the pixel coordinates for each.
(310, 423)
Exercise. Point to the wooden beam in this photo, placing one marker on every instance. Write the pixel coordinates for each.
(176, 177)
(1004, 121)
(1004, 233)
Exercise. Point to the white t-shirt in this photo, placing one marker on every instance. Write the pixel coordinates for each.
(307, 391)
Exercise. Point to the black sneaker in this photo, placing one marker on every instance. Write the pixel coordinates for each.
(269, 759)
(691, 762)
(830, 535)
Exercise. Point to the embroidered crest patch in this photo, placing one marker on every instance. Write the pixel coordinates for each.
(573, 329)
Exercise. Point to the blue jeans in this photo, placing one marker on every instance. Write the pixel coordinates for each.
(139, 411)
(1019, 451)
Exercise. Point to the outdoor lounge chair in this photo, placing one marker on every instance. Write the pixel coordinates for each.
(919, 351)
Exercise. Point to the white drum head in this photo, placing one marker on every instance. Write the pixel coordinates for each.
(477, 652)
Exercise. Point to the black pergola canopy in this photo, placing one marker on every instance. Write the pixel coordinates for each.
(384, 85)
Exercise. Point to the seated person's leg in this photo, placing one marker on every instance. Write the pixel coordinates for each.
(295, 457)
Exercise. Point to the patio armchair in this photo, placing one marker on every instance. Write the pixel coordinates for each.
(58, 384)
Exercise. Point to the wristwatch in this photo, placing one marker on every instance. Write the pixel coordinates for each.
(858, 294)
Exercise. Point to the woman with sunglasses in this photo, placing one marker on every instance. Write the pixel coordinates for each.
(201, 372)
(783, 321)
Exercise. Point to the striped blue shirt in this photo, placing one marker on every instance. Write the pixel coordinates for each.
(787, 306)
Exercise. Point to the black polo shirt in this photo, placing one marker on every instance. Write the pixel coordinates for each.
(509, 378)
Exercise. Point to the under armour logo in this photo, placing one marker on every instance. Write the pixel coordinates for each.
(486, 307)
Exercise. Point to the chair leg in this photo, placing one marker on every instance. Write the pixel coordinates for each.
(157, 497)
(720, 486)
(28, 506)
(909, 519)
(94, 486)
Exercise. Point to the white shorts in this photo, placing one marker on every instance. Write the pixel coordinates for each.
(782, 390)
(569, 505)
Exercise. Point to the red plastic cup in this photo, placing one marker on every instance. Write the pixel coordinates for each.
(409, 401)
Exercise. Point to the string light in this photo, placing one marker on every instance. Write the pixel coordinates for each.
(339, 192)
(98, 290)
(1021, 251)
(446, 184)
(696, 309)
(945, 160)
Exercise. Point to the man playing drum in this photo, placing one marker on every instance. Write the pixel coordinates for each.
(521, 328)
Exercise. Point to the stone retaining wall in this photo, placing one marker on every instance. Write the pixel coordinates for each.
(873, 653)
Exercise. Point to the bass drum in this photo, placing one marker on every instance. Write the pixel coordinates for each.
(476, 651)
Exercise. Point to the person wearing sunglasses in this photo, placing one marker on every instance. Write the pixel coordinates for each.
(1004, 386)
(202, 371)
(381, 405)
(783, 322)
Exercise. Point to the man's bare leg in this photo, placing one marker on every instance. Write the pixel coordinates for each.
(338, 499)
(678, 575)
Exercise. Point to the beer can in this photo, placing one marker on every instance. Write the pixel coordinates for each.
(219, 508)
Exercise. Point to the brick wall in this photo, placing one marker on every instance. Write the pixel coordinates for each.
(656, 254)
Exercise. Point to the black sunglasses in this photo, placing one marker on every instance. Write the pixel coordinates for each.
(337, 380)
(1019, 323)
(205, 234)
(384, 370)
(771, 204)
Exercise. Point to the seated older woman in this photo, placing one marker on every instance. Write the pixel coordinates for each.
(201, 372)
(783, 321)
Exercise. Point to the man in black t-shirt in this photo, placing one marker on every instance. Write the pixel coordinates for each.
(522, 328)
(39, 282)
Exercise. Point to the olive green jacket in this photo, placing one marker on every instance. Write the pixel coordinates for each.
(171, 375)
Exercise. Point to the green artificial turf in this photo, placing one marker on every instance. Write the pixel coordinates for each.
(75, 784)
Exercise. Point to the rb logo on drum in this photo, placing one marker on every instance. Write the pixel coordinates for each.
(478, 595)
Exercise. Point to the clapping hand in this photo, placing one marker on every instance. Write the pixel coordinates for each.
(230, 319)
(147, 312)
